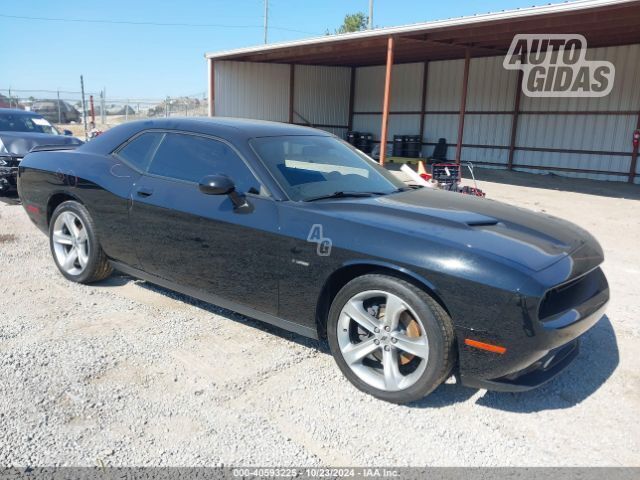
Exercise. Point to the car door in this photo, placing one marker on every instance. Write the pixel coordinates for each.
(201, 241)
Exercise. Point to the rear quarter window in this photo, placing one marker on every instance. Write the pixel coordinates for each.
(139, 151)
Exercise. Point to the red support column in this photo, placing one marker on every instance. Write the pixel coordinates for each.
(385, 104)
(463, 103)
(634, 157)
(352, 93)
(514, 120)
(423, 105)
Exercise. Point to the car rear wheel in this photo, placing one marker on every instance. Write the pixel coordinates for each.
(75, 246)
(390, 338)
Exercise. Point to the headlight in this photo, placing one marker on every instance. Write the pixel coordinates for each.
(3, 150)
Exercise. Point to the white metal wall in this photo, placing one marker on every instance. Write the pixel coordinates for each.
(492, 89)
(406, 88)
(406, 95)
(596, 132)
(444, 80)
(252, 90)
(321, 97)
(261, 91)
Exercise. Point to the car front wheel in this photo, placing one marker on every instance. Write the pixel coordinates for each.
(74, 244)
(390, 338)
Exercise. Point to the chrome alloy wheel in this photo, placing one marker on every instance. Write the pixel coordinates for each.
(70, 243)
(382, 340)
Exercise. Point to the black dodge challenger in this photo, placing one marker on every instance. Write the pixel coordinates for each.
(294, 227)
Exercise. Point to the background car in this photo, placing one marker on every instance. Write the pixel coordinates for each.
(49, 110)
(295, 227)
(20, 131)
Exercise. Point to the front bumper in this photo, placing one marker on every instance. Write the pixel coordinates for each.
(8, 172)
(534, 376)
(8, 178)
(543, 345)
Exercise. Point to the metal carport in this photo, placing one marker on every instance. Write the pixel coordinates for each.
(446, 79)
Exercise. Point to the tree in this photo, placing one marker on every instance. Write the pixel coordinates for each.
(354, 22)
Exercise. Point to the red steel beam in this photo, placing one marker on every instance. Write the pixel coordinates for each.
(516, 113)
(423, 104)
(352, 94)
(463, 103)
(548, 167)
(505, 112)
(634, 156)
(386, 101)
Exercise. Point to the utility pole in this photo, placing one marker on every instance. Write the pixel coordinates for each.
(93, 111)
(59, 113)
(266, 19)
(84, 108)
(103, 103)
(370, 26)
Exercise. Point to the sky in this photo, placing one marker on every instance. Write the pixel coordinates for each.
(146, 61)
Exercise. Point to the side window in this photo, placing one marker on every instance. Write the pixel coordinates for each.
(139, 151)
(190, 157)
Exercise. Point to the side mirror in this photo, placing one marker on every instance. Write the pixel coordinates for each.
(67, 132)
(223, 185)
(216, 185)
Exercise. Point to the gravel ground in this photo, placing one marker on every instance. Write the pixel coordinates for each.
(125, 373)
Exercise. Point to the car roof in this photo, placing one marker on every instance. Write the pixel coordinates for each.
(15, 111)
(243, 126)
(231, 129)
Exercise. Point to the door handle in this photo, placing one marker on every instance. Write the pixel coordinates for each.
(144, 192)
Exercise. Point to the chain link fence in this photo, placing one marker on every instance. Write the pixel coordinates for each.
(65, 107)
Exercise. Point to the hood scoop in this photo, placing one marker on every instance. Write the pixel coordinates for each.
(482, 223)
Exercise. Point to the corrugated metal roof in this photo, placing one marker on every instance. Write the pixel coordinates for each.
(425, 27)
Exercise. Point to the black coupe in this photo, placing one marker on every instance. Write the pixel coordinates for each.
(295, 227)
(20, 131)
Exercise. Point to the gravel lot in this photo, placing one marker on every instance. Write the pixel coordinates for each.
(126, 373)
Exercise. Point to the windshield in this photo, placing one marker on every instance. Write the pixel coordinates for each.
(26, 123)
(309, 167)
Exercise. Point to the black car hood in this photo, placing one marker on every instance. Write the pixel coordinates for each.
(20, 143)
(533, 240)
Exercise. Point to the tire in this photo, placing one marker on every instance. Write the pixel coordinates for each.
(72, 228)
(421, 325)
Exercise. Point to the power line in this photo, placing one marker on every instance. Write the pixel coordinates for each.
(154, 24)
